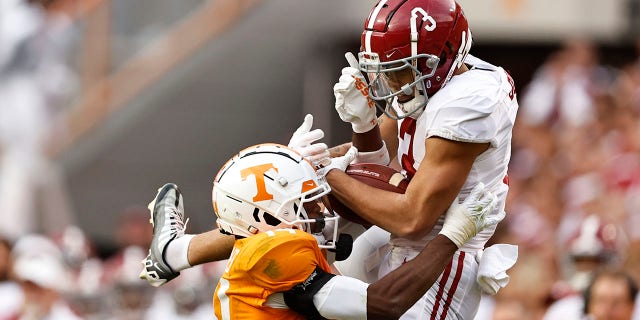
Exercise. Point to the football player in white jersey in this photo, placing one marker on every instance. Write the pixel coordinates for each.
(448, 118)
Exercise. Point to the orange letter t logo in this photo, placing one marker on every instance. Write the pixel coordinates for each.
(258, 172)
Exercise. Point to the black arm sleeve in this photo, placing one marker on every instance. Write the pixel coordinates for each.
(300, 297)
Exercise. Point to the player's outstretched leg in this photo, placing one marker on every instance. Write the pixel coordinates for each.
(167, 218)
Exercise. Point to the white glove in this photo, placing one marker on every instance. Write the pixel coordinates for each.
(352, 98)
(339, 163)
(303, 140)
(464, 221)
(493, 265)
(380, 156)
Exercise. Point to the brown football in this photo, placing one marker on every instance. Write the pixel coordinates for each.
(375, 175)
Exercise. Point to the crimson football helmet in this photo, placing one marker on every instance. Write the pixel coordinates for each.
(596, 239)
(596, 244)
(410, 49)
(270, 186)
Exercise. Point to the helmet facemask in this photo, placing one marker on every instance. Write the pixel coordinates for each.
(429, 38)
(311, 216)
(399, 79)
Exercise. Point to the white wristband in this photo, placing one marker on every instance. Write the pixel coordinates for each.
(364, 125)
(342, 298)
(178, 253)
(380, 156)
(458, 226)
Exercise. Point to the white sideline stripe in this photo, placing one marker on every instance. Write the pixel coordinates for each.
(224, 299)
(375, 12)
(367, 41)
(372, 20)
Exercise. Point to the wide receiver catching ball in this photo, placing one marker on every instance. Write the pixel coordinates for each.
(375, 175)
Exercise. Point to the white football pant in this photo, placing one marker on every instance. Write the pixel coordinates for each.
(455, 295)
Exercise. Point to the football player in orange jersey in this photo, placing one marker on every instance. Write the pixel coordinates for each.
(270, 198)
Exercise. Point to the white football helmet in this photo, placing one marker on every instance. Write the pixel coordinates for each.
(270, 186)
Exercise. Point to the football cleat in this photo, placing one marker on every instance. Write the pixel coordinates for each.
(167, 219)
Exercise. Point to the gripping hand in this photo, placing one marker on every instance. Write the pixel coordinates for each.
(303, 142)
(340, 163)
(463, 221)
(352, 98)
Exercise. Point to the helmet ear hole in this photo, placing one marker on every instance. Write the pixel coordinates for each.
(449, 46)
(443, 59)
(295, 208)
(268, 218)
(271, 220)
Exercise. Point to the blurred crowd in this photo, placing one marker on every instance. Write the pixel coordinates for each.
(574, 198)
(573, 208)
(49, 268)
(36, 83)
(62, 277)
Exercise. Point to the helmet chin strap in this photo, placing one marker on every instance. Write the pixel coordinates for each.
(406, 89)
(342, 243)
(414, 107)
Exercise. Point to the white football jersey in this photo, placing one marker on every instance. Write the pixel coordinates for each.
(477, 106)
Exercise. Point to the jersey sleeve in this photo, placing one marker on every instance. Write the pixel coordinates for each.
(473, 107)
(466, 119)
(285, 260)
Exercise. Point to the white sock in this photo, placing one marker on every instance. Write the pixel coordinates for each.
(177, 253)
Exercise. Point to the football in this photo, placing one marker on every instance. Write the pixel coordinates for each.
(375, 175)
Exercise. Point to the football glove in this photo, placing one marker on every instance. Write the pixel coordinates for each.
(303, 140)
(352, 98)
(464, 221)
(339, 163)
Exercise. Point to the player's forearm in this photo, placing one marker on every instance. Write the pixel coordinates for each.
(397, 213)
(339, 150)
(342, 298)
(391, 296)
(210, 246)
(367, 141)
(431, 190)
(389, 133)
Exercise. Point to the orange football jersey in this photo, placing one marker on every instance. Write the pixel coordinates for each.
(261, 265)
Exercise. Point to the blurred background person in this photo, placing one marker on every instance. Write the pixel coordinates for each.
(189, 298)
(87, 290)
(89, 296)
(596, 245)
(35, 83)
(611, 295)
(43, 278)
(133, 227)
(128, 296)
(560, 90)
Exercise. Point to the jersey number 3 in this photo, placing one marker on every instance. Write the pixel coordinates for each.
(406, 133)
